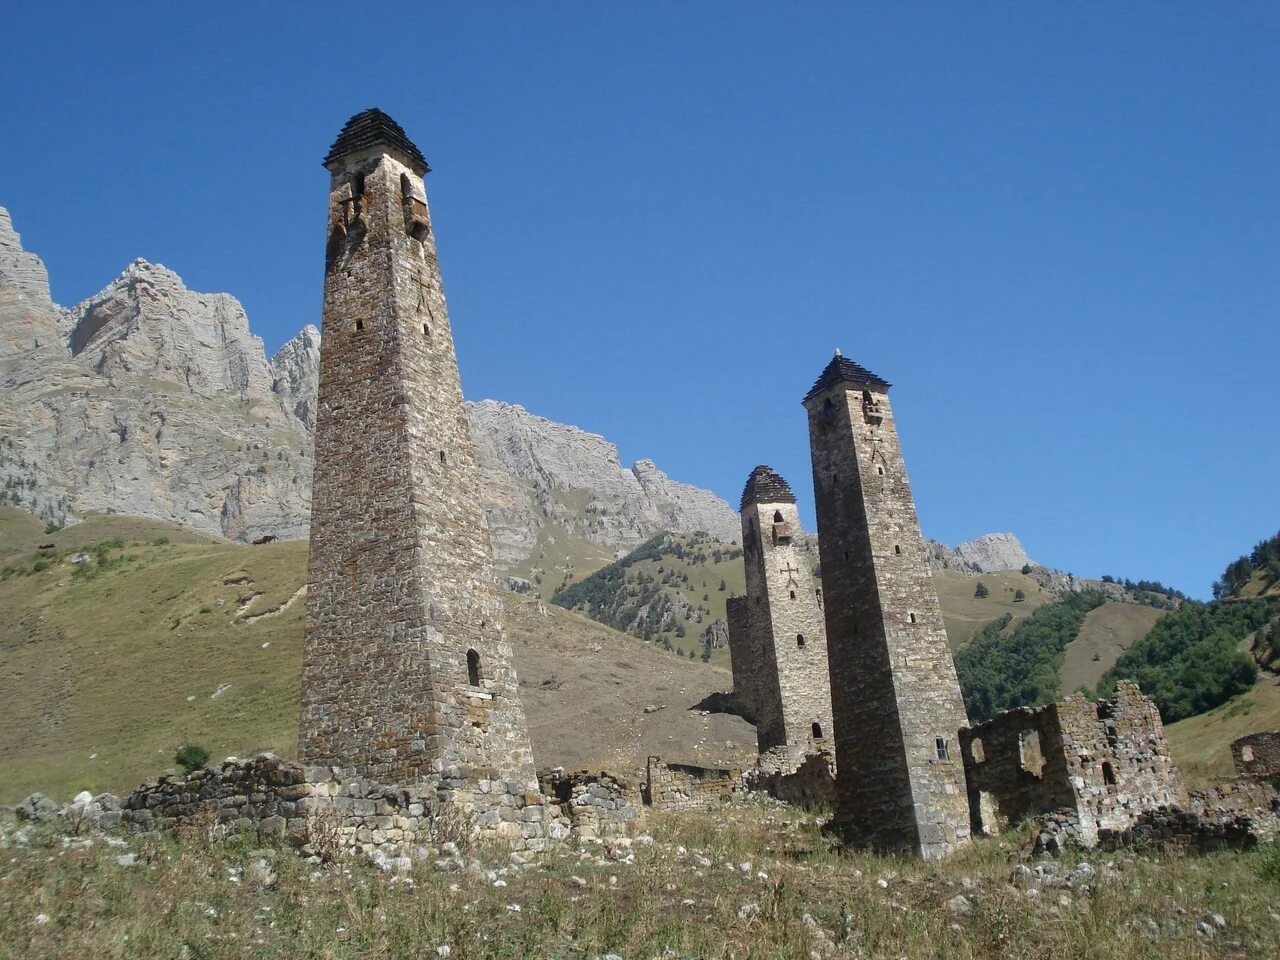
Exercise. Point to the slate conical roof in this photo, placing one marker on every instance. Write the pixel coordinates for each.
(843, 370)
(371, 128)
(765, 485)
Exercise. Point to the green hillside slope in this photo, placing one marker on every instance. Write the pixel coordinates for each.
(164, 637)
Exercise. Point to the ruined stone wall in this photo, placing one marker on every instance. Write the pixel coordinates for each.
(1008, 774)
(744, 658)
(895, 699)
(1257, 755)
(406, 668)
(793, 687)
(1104, 763)
(273, 797)
(597, 804)
(686, 787)
(811, 783)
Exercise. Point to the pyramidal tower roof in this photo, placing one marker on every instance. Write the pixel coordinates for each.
(843, 370)
(371, 128)
(765, 485)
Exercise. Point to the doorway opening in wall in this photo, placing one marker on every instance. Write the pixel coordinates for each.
(816, 730)
(1108, 774)
(473, 668)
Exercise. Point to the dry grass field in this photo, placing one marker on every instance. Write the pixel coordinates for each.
(748, 881)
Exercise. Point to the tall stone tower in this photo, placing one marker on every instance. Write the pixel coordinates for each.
(787, 685)
(406, 673)
(894, 695)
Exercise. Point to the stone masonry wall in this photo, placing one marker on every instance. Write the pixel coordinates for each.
(744, 658)
(407, 671)
(597, 805)
(684, 787)
(1257, 755)
(1102, 763)
(895, 699)
(792, 687)
(811, 783)
(273, 797)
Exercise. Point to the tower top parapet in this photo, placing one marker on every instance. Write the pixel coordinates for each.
(765, 485)
(372, 128)
(843, 370)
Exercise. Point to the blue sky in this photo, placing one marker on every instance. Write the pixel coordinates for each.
(1054, 227)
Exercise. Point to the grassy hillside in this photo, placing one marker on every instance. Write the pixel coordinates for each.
(1200, 743)
(1107, 632)
(110, 665)
(965, 614)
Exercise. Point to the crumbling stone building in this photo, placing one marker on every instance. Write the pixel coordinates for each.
(1257, 755)
(895, 700)
(777, 639)
(1102, 763)
(407, 674)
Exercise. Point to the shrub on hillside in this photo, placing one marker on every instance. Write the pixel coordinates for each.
(191, 757)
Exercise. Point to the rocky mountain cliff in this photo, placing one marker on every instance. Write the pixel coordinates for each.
(154, 400)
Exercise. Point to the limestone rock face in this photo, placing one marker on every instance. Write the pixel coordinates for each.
(993, 552)
(295, 371)
(155, 400)
(989, 553)
(545, 470)
(28, 318)
(147, 324)
(148, 399)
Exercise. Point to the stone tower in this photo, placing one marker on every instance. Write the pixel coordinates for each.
(784, 670)
(407, 676)
(894, 695)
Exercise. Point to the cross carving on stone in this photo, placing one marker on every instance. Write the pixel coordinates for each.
(791, 572)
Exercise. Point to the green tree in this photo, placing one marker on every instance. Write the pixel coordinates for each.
(1018, 595)
(981, 591)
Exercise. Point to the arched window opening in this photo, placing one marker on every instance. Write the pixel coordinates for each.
(442, 458)
(406, 187)
(777, 516)
(816, 730)
(426, 330)
(800, 640)
(880, 471)
(793, 594)
(357, 185)
(359, 324)
(940, 746)
(866, 397)
(976, 750)
(473, 668)
(897, 548)
(1108, 774)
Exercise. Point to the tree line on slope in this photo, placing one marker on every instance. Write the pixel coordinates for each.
(1190, 661)
(1000, 671)
(1264, 557)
